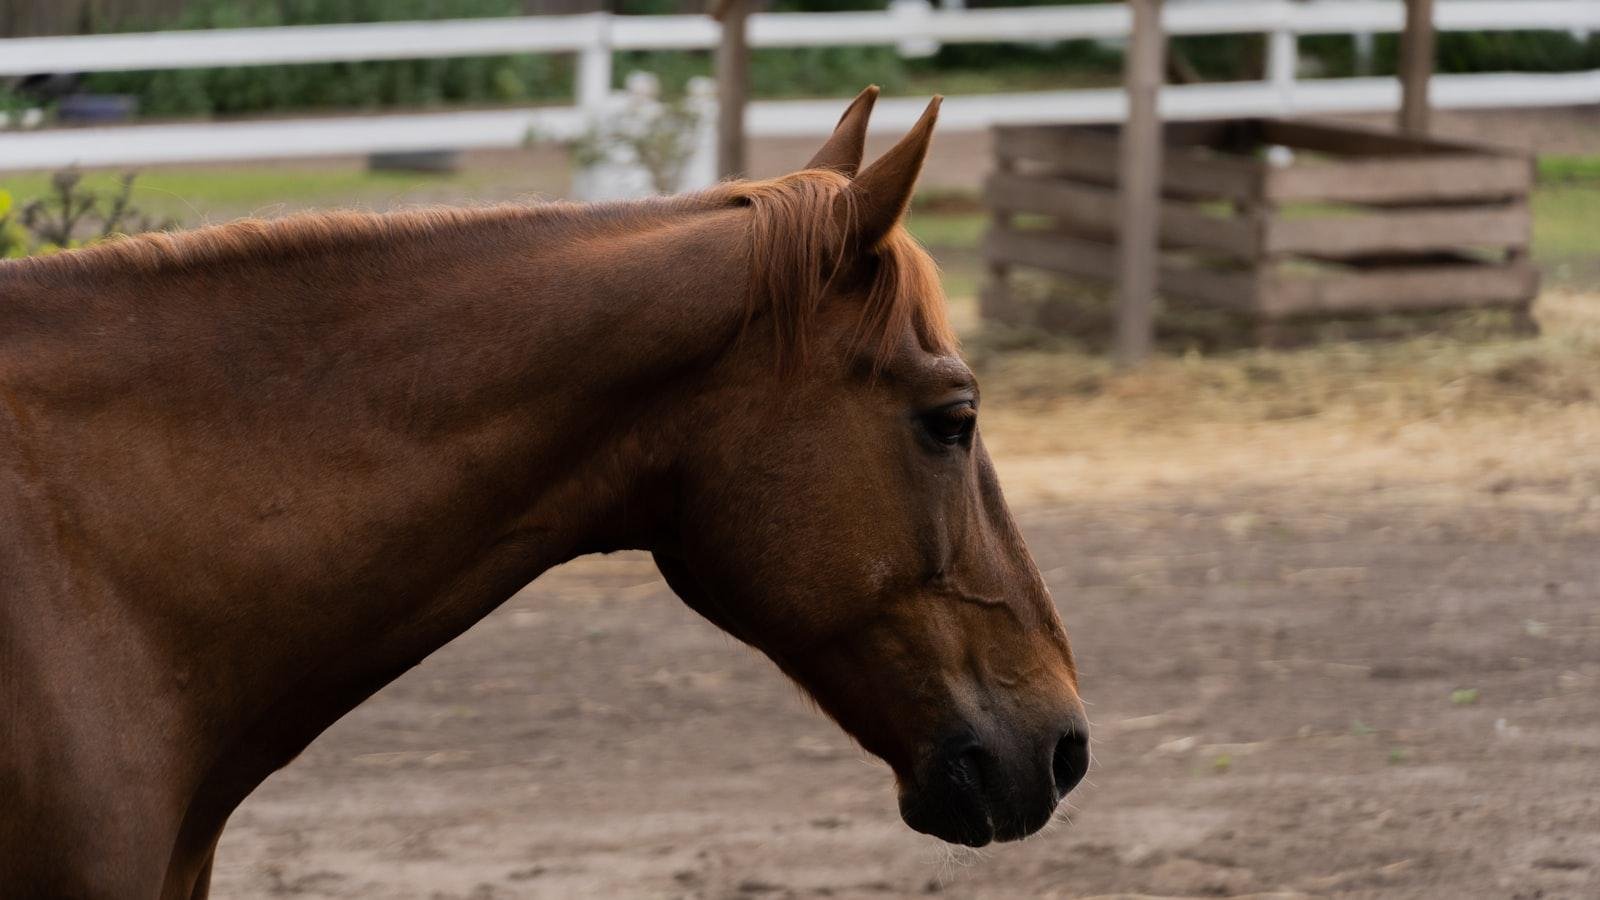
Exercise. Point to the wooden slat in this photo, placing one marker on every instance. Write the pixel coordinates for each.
(1360, 140)
(1067, 255)
(1051, 252)
(1089, 150)
(1092, 154)
(1221, 288)
(1399, 231)
(1386, 290)
(1226, 134)
(1416, 180)
(1094, 209)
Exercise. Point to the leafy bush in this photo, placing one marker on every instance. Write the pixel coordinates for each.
(13, 238)
(71, 215)
(1466, 51)
(659, 137)
(360, 85)
(781, 72)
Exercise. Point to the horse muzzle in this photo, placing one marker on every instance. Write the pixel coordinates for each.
(969, 792)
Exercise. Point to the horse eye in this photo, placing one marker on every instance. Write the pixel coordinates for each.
(951, 425)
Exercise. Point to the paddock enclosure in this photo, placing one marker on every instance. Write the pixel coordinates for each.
(1274, 219)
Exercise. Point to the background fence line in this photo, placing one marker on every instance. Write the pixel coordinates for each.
(594, 37)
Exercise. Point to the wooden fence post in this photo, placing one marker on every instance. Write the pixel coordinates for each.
(1416, 66)
(1139, 177)
(733, 85)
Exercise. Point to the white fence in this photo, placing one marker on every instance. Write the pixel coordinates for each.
(593, 38)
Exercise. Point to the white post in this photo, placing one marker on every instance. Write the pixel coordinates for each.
(594, 68)
(1364, 47)
(1283, 64)
(912, 13)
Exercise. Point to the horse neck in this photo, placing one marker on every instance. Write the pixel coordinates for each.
(540, 373)
(376, 442)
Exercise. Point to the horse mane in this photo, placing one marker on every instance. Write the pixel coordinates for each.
(798, 246)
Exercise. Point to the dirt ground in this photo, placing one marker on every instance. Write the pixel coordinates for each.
(1321, 661)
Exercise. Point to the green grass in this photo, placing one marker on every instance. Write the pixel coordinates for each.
(196, 196)
(946, 230)
(1568, 169)
(1566, 222)
(953, 238)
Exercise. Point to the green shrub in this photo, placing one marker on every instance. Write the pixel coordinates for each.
(352, 85)
(13, 238)
(1466, 51)
(71, 215)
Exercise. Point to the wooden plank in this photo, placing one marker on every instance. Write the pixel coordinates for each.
(1236, 135)
(1052, 252)
(1095, 209)
(1385, 261)
(1222, 288)
(1091, 154)
(733, 86)
(1213, 133)
(1139, 184)
(1404, 288)
(1416, 66)
(1089, 150)
(1430, 179)
(1081, 258)
(1399, 231)
(1362, 140)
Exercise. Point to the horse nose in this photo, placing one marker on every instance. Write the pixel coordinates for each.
(1071, 760)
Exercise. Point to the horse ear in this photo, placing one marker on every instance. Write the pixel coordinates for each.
(878, 197)
(844, 148)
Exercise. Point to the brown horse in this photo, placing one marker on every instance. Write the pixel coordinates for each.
(250, 474)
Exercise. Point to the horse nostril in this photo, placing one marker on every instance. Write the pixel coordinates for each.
(966, 769)
(1071, 761)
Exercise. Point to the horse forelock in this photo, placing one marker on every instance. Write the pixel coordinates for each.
(801, 242)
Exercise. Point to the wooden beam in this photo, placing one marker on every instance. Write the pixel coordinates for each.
(733, 85)
(1402, 288)
(1416, 66)
(1052, 251)
(1094, 209)
(1139, 179)
(1087, 153)
(1067, 254)
(1348, 139)
(1412, 179)
(1413, 230)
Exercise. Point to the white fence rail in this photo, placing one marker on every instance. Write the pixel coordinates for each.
(595, 37)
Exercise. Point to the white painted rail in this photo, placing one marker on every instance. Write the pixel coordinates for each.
(594, 38)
